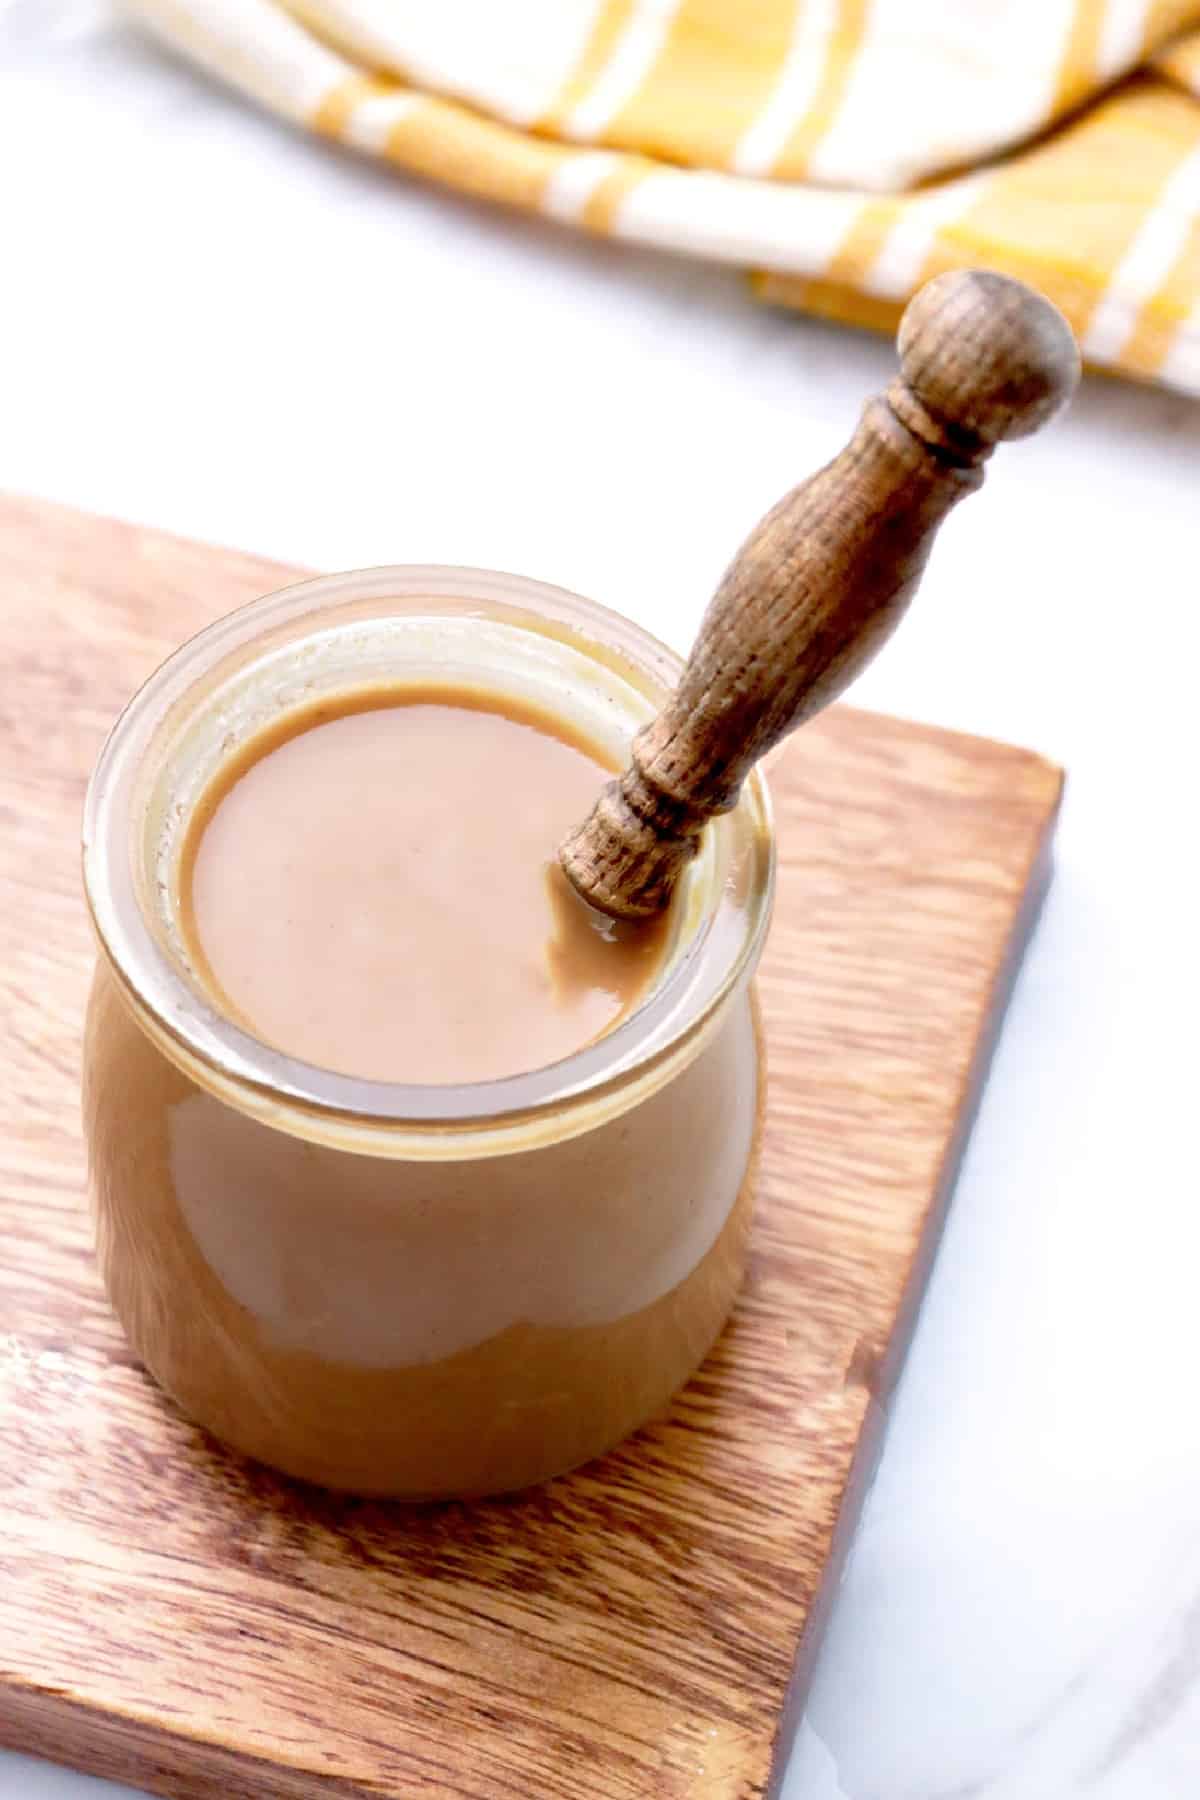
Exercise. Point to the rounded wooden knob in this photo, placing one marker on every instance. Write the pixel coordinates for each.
(987, 356)
(823, 579)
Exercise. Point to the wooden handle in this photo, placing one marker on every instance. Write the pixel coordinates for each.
(822, 580)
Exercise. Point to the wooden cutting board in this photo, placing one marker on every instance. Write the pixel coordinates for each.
(179, 1620)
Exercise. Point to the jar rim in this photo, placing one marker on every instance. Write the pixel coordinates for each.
(558, 1099)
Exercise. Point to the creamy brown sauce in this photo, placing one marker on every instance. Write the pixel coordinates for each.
(369, 886)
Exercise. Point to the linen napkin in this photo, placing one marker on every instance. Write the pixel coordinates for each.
(843, 150)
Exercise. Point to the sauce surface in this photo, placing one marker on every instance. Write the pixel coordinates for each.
(368, 886)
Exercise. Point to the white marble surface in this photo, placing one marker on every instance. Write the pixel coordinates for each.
(216, 326)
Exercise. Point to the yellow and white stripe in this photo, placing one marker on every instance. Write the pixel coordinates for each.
(1156, 277)
(620, 78)
(801, 91)
(825, 144)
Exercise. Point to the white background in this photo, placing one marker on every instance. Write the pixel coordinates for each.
(212, 324)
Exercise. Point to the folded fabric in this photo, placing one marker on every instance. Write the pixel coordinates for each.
(843, 150)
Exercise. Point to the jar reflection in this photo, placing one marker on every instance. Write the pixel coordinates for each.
(421, 1329)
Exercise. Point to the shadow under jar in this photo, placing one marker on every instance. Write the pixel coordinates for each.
(414, 1291)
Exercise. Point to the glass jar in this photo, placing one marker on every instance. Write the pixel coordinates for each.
(404, 1290)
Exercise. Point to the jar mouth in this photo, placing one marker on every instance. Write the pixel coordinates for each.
(403, 624)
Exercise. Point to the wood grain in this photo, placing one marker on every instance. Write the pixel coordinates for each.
(824, 579)
(177, 1619)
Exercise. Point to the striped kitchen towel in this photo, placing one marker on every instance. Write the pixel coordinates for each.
(843, 150)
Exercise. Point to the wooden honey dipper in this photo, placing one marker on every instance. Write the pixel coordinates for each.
(823, 579)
